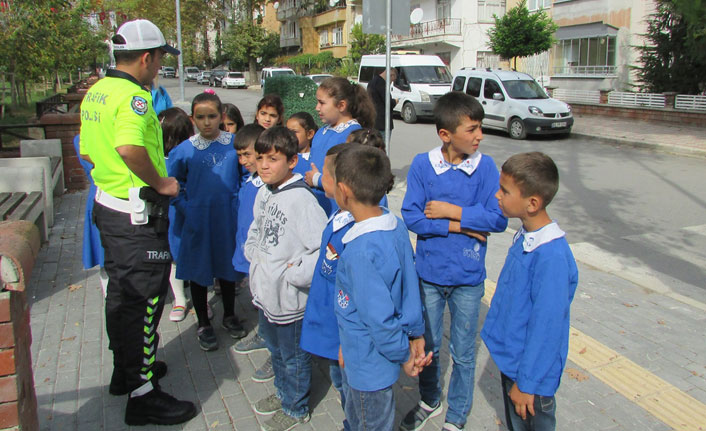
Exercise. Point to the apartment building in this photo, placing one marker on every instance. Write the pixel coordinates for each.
(455, 30)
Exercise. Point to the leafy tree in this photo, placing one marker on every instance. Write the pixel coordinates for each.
(244, 42)
(520, 33)
(362, 44)
(671, 59)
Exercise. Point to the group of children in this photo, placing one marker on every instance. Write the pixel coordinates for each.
(300, 212)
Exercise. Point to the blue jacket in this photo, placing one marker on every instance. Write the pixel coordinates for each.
(325, 138)
(378, 305)
(160, 99)
(452, 259)
(319, 328)
(527, 327)
(246, 200)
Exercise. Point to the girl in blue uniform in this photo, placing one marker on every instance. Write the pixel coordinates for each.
(206, 166)
(343, 107)
(302, 124)
(270, 111)
(176, 128)
(232, 119)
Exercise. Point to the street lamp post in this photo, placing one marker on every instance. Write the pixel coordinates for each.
(181, 53)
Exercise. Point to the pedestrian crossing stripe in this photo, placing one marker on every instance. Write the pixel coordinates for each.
(655, 395)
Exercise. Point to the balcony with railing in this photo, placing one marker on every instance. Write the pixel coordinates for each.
(285, 12)
(575, 71)
(438, 27)
(286, 40)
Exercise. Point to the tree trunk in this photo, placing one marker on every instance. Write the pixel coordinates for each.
(13, 84)
(253, 70)
(25, 99)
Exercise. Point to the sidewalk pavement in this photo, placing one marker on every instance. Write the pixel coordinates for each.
(672, 138)
(635, 361)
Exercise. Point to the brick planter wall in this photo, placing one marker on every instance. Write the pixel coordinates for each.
(664, 115)
(65, 127)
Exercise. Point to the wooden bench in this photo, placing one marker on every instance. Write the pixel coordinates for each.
(22, 196)
(47, 148)
(45, 165)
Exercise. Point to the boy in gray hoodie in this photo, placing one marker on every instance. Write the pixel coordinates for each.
(282, 247)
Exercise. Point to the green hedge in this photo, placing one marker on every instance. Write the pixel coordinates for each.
(298, 93)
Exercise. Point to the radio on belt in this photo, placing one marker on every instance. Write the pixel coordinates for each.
(139, 208)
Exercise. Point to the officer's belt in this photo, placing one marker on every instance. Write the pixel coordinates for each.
(116, 204)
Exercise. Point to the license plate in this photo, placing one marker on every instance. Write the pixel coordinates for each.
(559, 124)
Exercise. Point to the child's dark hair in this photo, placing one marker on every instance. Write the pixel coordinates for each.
(452, 107)
(274, 101)
(233, 113)
(369, 137)
(360, 106)
(176, 128)
(305, 120)
(333, 153)
(279, 138)
(206, 98)
(366, 170)
(535, 174)
(247, 136)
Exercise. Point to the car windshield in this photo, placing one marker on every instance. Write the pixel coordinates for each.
(219, 73)
(427, 74)
(206, 73)
(282, 72)
(235, 75)
(169, 69)
(192, 70)
(320, 78)
(524, 89)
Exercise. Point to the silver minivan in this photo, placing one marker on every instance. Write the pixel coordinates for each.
(514, 102)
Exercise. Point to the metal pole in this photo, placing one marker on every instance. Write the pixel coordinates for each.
(181, 53)
(388, 26)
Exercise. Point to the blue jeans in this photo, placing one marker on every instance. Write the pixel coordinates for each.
(291, 364)
(338, 379)
(464, 303)
(544, 418)
(370, 411)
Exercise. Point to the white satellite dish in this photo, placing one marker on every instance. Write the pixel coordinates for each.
(416, 16)
(276, 5)
(332, 3)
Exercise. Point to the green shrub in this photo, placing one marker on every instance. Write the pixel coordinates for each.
(298, 93)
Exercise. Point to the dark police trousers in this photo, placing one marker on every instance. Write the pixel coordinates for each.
(138, 261)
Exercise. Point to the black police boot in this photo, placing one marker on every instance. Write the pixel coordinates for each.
(117, 381)
(157, 407)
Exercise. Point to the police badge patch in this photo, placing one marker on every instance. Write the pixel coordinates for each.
(139, 105)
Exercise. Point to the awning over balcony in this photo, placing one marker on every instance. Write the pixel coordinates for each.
(580, 31)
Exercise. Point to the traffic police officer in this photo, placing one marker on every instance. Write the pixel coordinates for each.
(122, 138)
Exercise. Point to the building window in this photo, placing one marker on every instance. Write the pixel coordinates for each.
(443, 9)
(488, 8)
(292, 29)
(323, 38)
(539, 4)
(585, 56)
(338, 36)
(486, 59)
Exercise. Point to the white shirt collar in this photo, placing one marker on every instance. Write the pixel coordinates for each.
(305, 155)
(341, 219)
(256, 181)
(532, 240)
(295, 178)
(385, 222)
(440, 165)
(341, 127)
(201, 143)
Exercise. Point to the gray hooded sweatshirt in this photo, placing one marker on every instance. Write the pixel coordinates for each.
(286, 230)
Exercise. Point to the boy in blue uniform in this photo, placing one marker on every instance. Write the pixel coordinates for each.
(378, 306)
(527, 327)
(450, 204)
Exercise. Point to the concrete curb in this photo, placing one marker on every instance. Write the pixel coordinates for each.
(666, 148)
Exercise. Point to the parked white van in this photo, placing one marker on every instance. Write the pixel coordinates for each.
(274, 71)
(514, 102)
(421, 80)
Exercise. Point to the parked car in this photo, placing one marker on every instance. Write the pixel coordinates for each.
(191, 73)
(421, 81)
(234, 80)
(318, 78)
(514, 102)
(168, 72)
(274, 71)
(216, 77)
(203, 78)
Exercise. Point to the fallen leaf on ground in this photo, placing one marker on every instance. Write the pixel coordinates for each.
(214, 424)
(629, 305)
(74, 287)
(69, 338)
(498, 421)
(576, 374)
(582, 351)
(661, 322)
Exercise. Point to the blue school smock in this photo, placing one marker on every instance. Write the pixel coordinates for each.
(443, 258)
(319, 327)
(246, 200)
(92, 252)
(527, 327)
(209, 177)
(325, 138)
(378, 304)
(303, 164)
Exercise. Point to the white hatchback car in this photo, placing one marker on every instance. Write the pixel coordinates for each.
(514, 102)
(234, 80)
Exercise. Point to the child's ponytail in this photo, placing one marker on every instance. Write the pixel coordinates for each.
(360, 106)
